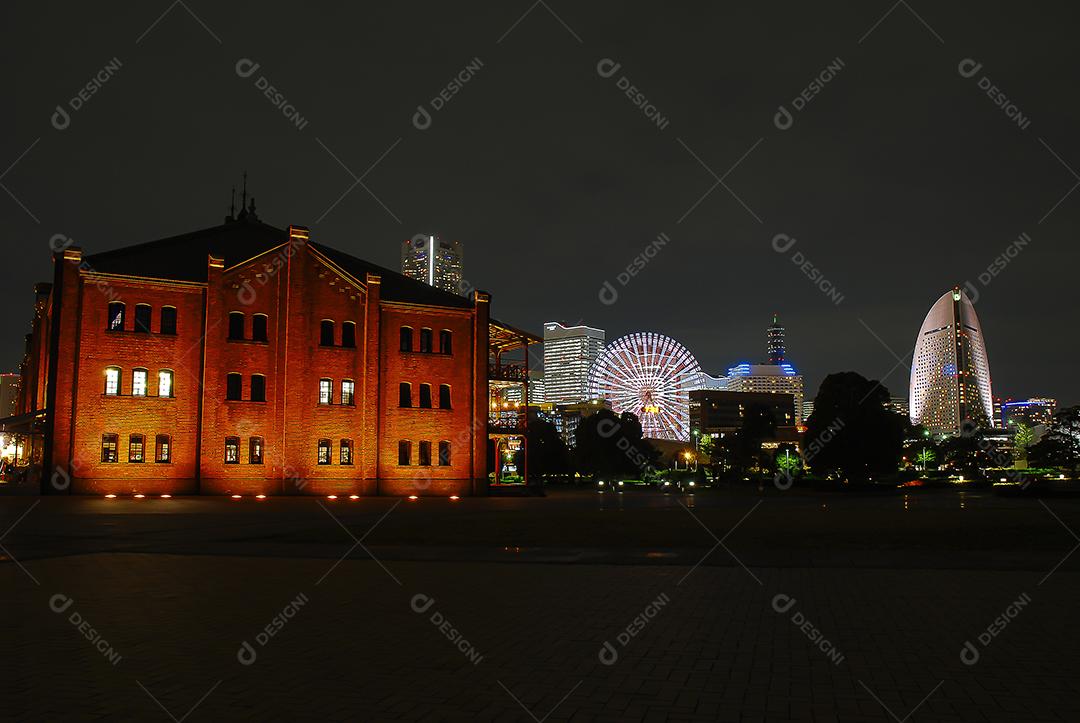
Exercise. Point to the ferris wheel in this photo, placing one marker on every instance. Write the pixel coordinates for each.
(650, 375)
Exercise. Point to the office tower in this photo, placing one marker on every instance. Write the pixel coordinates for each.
(569, 353)
(775, 336)
(436, 262)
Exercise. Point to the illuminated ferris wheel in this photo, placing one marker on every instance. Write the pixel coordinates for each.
(650, 375)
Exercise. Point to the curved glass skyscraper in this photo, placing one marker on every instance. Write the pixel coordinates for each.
(950, 372)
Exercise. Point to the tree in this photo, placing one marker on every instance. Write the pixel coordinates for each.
(787, 461)
(607, 444)
(924, 457)
(853, 431)
(545, 449)
(1023, 437)
(1060, 446)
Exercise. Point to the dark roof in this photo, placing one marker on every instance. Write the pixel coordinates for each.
(184, 258)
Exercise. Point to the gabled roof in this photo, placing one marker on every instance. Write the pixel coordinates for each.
(184, 258)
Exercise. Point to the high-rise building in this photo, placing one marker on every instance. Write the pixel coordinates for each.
(899, 405)
(807, 409)
(9, 395)
(1032, 412)
(776, 347)
(777, 376)
(950, 372)
(436, 262)
(569, 353)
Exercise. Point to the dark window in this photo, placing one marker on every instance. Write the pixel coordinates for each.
(258, 327)
(425, 340)
(406, 338)
(109, 443)
(446, 341)
(348, 388)
(425, 396)
(112, 380)
(325, 450)
(345, 453)
(425, 454)
(162, 449)
(326, 391)
(116, 316)
(404, 452)
(255, 450)
(168, 320)
(258, 388)
(444, 396)
(142, 318)
(236, 325)
(326, 333)
(444, 454)
(234, 386)
(405, 394)
(136, 447)
(348, 334)
(232, 450)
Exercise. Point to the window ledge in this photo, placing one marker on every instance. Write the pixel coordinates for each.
(245, 401)
(256, 342)
(137, 396)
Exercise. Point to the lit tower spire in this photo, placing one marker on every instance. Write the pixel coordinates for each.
(775, 332)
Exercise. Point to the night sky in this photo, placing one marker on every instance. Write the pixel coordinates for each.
(900, 178)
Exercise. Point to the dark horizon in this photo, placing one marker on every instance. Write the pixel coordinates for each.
(898, 180)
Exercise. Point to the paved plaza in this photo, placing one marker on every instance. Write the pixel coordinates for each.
(386, 610)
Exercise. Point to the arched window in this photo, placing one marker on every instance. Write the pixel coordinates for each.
(444, 396)
(232, 450)
(345, 453)
(406, 338)
(165, 383)
(234, 387)
(425, 340)
(446, 342)
(236, 325)
(258, 327)
(138, 383)
(162, 449)
(425, 396)
(326, 333)
(142, 318)
(136, 448)
(405, 394)
(425, 454)
(115, 321)
(255, 450)
(444, 454)
(109, 443)
(326, 391)
(325, 451)
(112, 381)
(348, 392)
(168, 320)
(258, 388)
(348, 334)
(404, 452)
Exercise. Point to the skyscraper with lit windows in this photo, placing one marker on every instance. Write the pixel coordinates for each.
(569, 353)
(436, 262)
(950, 371)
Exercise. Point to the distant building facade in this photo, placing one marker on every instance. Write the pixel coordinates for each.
(1032, 412)
(10, 384)
(569, 353)
(435, 262)
(567, 417)
(777, 376)
(716, 411)
(950, 370)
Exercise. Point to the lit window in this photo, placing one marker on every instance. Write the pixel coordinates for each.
(255, 450)
(109, 443)
(347, 389)
(444, 454)
(425, 454)
(138, 383)
(135, 448)
(326, 391)
(165, 383)
(404, 452)
(232, 450)
(162, 449)
(345, 453)
(116, 316)
(324, 451)
(112, 381)
(425, 396)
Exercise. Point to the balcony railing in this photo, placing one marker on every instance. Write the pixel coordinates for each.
(507, 372)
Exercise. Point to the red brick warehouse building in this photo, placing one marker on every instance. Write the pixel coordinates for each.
(246, 359)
